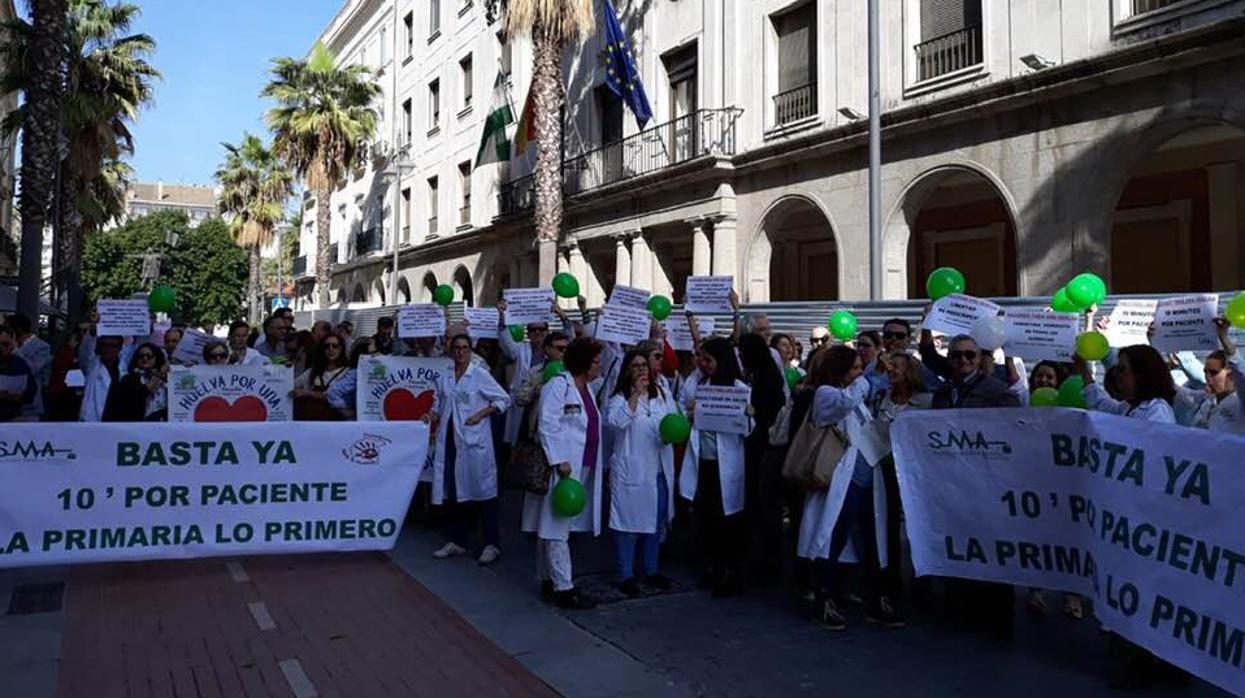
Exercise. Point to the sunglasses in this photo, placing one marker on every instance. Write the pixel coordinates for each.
(218, 355)
(894, 335)
(967, 355)
(144, 356)
(819, 340)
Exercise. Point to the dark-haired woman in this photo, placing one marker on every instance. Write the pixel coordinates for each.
(641, 470)
(140, 394)
(713, 473)
(328, 365)
(570, 433)
(763, 476)
(1144, 382)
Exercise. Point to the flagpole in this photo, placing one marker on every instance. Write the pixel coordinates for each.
(875, 159)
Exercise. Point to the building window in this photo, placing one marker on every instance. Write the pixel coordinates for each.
(504, 50)
(408, 34)
(384, 45)
(405, 211)
(432, 206)
(434, 19)
(464, 184)
(464, 70)
(797, 64)
(407, 122)
(951, 37)
(434, 105)
(684, 131)
(1142, 6)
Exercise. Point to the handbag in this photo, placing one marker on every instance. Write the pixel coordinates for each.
(814, 454)
(529, 468)
(780, 430)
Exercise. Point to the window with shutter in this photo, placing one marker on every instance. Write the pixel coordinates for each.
(797, 64)
(951, 37)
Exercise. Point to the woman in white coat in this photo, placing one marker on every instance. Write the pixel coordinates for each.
(570, 432)
(855, 503)
(641, 470)
(713, 474)
(464, 467)
(1144, 381)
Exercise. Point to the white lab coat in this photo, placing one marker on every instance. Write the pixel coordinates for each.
(253, 358)
(1154, 410)
(475, 467)
(563, 431)
(639, 455)
(730, 459)
(844, 408)
(98, 380)
(520, 353)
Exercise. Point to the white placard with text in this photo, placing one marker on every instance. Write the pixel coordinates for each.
(1186, 323)
(1041, 335)
(709, 294)
(722, 408)
(1129, 322)
(679, 333)
(526, 306)
(124, 318)
(623, 325)
(629, 297)
(481, 322)
(957, 313)
(421, 320)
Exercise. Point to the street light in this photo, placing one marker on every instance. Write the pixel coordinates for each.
(399, 164)
(1037, 62)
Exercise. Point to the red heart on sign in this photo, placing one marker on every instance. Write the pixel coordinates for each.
(401, 405)
(247, 408)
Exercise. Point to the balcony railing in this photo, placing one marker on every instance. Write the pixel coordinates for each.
(1141, 6)
(796, 104)
(949, 53)
(300, 266)
(698, 134)
(464, 215)
(367, 241)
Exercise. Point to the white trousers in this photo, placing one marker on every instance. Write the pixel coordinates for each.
(553, 562)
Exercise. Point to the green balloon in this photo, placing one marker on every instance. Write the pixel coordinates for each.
(1060, 303)
(675, 428)
(944, 281)
(443, 294)
(517, 332)
(842, 325)
(569, 497)
(552, 369)
(1085, 290)
(566, 286)
(792, 375)
(1235, 311)
(1044, 397)
(162, 299)
(1071, 393)
(660, 307)
(1092, 346)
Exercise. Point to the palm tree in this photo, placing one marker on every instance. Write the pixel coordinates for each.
(321, 126)
(551, 24)
(255, 186)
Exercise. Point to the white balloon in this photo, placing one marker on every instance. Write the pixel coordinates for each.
(990, 333)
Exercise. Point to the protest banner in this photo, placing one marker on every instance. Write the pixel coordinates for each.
(623, 325)
(1039, 335)
(103, 492)
(1129, 322)
(1144, 518)
(957, 313)
(397, 388)
(628, 297)
(481, 322)
(421, 320)
(125, 318)
(525, 306)
(722, 408)
(230, 393)
(190, 349)
(679, 333)
(709, 294)
(1186, 323)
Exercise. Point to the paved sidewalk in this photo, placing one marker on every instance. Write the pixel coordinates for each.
(350, 625)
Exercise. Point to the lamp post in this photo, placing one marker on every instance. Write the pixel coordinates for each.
(399, 164)
(875, 158)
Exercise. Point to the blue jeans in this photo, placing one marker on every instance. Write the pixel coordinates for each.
(856, 517)
(650, 543)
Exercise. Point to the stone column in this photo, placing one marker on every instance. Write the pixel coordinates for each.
(641, 262)
(622, 261)
(661, 281)
(724, 248)
(578, 267)
(701, 250)
(564, 266)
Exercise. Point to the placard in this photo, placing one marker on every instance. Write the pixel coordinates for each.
(482, 322)
(957, 313)
(722, 408)
(421, 320)
(629, 297)
(190, 349)
(397, 388)
(679, 334)
(123, 318)
(709, 294)
(236, 393)
(1186, 323)
(87, 492)
(1041, 335)
(623, 325)
(1129, 322)
(527, 306)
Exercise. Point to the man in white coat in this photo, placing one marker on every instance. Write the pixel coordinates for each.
(104, 361)
(524, 356)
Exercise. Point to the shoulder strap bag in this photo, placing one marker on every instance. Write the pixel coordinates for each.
(814, 454)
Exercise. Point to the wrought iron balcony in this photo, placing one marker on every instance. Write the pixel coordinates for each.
(1142, 6)
(367, 241)
(949, 53)
(464, 215)
(698, 134)
(795, 104)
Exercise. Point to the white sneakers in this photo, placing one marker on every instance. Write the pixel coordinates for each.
(489, 555)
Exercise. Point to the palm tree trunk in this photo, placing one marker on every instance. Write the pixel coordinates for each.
(40, 134)
(324, 270)
(69, 247)
(255, 286)
(547, 115)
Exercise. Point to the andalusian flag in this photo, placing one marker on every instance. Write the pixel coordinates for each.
(527, 125)
(494, 146)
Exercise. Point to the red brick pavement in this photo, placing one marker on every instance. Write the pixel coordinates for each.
(357, 624)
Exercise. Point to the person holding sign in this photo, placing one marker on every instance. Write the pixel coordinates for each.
(713, 473)
(464, 466)
(525, 356)
(1144, 382)
(100, 359)
(1217, 406)
(641, 470)
(139, 395)
(570, 433)
(240, 353)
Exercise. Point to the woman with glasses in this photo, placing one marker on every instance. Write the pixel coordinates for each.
(464, 466)
(328, 365)
(216, 353)
(641, 470)
(1217, 404)
(139, 395)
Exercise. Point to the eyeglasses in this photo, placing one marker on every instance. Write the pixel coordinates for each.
(145, 356)
(332, 345)
(894, 335)
(967, 355)
(1212, 372)
(818, 340)
(217, 355)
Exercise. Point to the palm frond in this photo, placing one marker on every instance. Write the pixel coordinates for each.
(565, 19)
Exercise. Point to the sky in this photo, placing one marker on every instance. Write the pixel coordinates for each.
(215, 56)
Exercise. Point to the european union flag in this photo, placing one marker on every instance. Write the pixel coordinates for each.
(621, 73)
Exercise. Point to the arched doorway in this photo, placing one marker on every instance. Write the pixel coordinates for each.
(950, 217)
(429, 286)
(359, 295)
(795, 256)
(378, 291)
(404, 291)
(1179, 225)
(463, 288)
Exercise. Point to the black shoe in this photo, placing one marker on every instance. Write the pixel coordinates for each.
(573, 599)
(659, 581)
(830, 617)
(631, 587)
(546, 590)
(883, 613)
